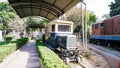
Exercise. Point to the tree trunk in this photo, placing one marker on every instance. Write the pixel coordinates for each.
(18, 34)
(5, 36)
(78, 35)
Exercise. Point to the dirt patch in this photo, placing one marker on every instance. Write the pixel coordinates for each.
(94, 59)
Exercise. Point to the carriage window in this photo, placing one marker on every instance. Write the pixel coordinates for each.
(119, 33)
(119, 22)
(102, 25)
(64, 28)
(53, 28)
(96, 26)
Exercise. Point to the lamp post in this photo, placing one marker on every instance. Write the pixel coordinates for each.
(84, 24)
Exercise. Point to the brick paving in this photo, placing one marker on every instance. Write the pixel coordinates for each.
(25, 57)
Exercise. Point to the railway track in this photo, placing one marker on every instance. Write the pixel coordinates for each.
(72, 64)
(75, 65)
(110, 51)
(82, 64)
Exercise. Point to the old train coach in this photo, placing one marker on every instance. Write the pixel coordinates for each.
(61, 36)
(107, 32)
(58, 29)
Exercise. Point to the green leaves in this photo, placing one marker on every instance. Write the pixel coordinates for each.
(22, 41)
(43, 21)
(4, 6)
(78, 28)
(36, 22)
(7, 14)
(9, 38)
(115, 8)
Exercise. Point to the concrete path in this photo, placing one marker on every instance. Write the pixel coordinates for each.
(25, 57)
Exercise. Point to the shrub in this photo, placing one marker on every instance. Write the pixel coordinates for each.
(9, 38)
(49, 58)
(22, 41)
(19, 43)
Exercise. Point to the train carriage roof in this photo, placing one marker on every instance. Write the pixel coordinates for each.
(100, 21)
(50, 9)
(111, 18)
(60, 22)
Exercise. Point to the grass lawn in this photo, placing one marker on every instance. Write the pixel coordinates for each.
(6, 49)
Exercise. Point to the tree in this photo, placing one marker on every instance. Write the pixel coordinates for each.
(115, 8)
(105, 16)
(5, 6)
(6, 15)
(4, 18)
(35, 23)
(91, 18)
(75, 15)
(31, 20)
(43, 21)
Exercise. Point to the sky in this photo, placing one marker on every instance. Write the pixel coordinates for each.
(99, 7)
(2, 0)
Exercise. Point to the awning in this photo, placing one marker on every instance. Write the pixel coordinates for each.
(50, 9)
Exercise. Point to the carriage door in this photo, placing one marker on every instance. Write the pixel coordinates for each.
(53, 28)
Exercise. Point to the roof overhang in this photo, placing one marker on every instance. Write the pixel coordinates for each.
(50, 9)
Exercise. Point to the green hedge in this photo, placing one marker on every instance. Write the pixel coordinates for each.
(49, 58)
(22, 41)
(9, 38)
(6, 49)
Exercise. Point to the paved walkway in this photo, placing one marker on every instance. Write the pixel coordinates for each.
(25, 57)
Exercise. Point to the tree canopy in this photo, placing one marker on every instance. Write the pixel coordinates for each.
(75, 15)
(105, 16)
(36, 22)
(115, 8)
(91, 18)
(5, 6)
(7, 13)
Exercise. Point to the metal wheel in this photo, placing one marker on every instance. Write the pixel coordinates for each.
(78, 59)
(67, 60)
(108, 45)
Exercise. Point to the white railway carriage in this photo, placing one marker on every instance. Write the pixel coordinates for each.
(60, 35)
(59, 29)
